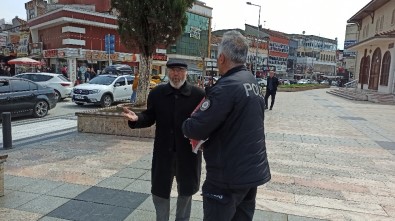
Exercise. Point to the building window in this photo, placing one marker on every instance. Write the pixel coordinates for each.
(367, 30)
(377, 25)
(385, 70)
(381, 23)
(393, 17)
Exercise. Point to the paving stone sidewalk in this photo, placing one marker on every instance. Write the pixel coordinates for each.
(331, 159)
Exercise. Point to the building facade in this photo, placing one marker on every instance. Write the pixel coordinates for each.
(349, 57)
(315, 55)
(292, 57)
(375, 60)
(278, 52)
(74, 37)
(193, 46)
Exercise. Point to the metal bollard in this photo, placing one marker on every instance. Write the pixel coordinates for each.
(7, 135)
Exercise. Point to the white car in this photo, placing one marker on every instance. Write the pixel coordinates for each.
(304, 81)
(262, 82)
(104, 90)
(58, 82)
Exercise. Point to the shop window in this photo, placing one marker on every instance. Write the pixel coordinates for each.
(385, 70)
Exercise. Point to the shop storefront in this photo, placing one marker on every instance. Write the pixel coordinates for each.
(74, 58)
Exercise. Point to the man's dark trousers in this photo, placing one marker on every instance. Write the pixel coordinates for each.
(228, 204)
(270, 93)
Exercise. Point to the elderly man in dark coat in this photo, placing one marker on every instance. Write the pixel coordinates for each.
(168, 106)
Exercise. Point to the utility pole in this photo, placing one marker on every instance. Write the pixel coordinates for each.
(257, 39)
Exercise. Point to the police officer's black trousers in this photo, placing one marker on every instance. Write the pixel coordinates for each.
(270, 93)
(228, 204)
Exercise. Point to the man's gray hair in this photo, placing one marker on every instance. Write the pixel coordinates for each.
(234, 46)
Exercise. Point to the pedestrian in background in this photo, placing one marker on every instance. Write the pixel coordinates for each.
(92, 73)
(232, 119)
(271, 89)
(134, 88)
(168, 105)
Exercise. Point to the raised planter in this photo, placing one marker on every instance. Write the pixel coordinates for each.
(3, 158)
(110, 121)
(295, 89)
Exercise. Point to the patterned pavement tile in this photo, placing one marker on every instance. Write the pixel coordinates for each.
(269, 215)
(140, 186)
(118, 183)
(90, 211)
(17, 215)
(43, 204)
(118, 198)
(369, 208)
(68, 190)
(15, 199)
(386, 145)
(41, 186)
(131, 173)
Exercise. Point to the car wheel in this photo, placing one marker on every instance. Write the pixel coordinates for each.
(40, 109)
(80, 104)
(58, 96)
(106, 100)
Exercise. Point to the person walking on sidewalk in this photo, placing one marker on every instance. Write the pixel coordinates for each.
(168, 106)
(232, 119)
(134, 88)
(271, 89)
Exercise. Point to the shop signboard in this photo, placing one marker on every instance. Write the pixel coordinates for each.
(269, 68)
(54, 53)
(159, 57)
(348, 53)
(23, 44)
(36, 48)
(194, 32)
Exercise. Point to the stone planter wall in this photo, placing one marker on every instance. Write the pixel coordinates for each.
(300, 88)
(2, 161)
(110, 121)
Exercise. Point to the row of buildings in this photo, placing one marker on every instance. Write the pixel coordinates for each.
(72, 33)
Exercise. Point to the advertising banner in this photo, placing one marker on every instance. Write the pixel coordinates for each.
(23, 44)
(3, 41)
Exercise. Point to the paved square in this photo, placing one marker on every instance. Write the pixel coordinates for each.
(330, 159)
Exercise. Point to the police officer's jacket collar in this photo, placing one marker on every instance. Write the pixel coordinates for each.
(234, 70)
(185, 89)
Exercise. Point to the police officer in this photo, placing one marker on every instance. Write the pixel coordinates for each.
(169, 105)
(232, 119)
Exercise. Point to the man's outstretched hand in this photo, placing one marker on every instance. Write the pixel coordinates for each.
(130, 115)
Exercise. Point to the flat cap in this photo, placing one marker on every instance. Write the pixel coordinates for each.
(172, 63)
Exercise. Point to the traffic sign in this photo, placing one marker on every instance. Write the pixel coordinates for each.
(109, 44)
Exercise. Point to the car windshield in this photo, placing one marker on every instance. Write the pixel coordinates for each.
(103, 80)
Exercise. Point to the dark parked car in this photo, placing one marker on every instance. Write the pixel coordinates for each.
(24, 97)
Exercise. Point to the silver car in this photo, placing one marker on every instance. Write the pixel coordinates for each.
(58, 82)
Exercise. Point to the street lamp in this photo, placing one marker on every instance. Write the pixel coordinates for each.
(257, 39)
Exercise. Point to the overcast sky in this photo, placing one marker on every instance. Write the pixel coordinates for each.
(326, 18)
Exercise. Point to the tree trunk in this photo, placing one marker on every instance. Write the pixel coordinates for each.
(144, 80)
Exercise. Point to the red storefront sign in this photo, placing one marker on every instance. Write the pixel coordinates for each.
(54, 53)
(159, 57)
